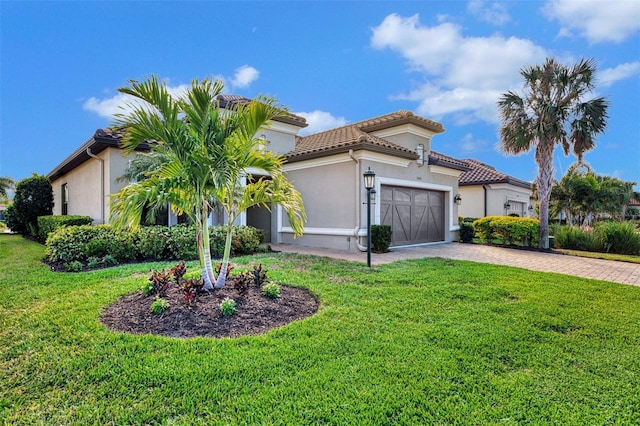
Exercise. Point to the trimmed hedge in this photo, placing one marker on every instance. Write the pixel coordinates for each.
(49, 223)
(380, 238)
(80, 243)
(507, 230)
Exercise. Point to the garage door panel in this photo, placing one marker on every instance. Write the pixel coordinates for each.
(415, 215)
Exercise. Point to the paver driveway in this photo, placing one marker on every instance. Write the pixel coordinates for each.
(607, 270)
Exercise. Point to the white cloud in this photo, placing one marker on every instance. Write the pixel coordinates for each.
(609, 76)
(118, 103)
(464, 76)
(596, 20)
(244, 76)
(319, 121)
(469, 145)
(107, 107)
(494, 13)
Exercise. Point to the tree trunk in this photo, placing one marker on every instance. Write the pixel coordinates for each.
(544, 158)
(222, 276)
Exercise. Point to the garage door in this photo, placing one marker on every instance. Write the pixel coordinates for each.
(415, 215)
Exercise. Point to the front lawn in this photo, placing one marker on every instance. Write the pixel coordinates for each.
(430, 341)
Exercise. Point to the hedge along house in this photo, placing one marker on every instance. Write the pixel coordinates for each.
(415, 186)
(488, 192)
(83, 182)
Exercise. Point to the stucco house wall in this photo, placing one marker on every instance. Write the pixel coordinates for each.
(487, 192)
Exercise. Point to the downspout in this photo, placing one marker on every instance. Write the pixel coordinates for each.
(92, 155)
(356, 231)
(484, 187)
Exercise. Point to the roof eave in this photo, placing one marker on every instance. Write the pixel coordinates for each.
(364, 146)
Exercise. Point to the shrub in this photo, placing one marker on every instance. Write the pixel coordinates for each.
(271, 290)
(619, 238)
(380, 238)
(509, 229)
(73, 266)
(152, 242)
(33, 197)
(191, 288)
(159, 306)
(160, 281)
(244, 240)
(181, 242)
(228, 307)
(466, 232)
(50, 223)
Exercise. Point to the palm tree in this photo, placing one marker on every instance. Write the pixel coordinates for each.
(553, 111)
(204, 150)
(6, 183)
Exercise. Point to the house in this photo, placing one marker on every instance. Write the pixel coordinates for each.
(415, 187)
(83, 181)
(488, 192)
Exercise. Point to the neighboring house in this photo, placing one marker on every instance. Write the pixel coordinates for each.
(415, 186)
(488, 192)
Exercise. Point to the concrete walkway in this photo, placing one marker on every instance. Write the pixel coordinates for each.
(606, 270)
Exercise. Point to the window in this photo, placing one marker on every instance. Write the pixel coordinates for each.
(65, 199)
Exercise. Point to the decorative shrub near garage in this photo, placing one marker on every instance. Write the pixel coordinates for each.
(380, 238)
(507, 230)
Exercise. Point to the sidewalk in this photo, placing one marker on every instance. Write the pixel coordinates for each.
(606, 270)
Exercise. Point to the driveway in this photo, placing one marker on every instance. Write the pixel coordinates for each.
(606, 270)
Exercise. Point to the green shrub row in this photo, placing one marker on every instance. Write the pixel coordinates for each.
(606, 237)
(49, 223)
(81, 243)
(507, 230)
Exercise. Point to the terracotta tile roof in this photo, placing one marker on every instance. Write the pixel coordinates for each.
(358, 136)
(230, 100)
(399, 118)
(437, 159)
(481, 173)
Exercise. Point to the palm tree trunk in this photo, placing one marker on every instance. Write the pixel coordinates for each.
(222, 277)
(544, 158)
(204, 250)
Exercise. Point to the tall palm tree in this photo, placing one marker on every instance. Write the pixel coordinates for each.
(553, 111)
(205, 150)
(6, 183)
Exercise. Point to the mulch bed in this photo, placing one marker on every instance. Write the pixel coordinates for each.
(255, 314)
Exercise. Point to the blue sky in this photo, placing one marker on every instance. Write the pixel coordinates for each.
(331, 62)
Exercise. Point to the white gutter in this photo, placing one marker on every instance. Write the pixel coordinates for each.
(356, 230)
(92, 155)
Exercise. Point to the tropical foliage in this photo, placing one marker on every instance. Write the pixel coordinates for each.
(552, 111)
(6, 183)
(584, 195)
(205, 154)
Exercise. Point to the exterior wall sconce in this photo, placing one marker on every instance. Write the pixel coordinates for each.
(530, 208)
(457, 199)
(369, 182)
(420, 152)
(507, 205)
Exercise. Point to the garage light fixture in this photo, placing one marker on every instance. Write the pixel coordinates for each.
(507, 205)
(457, 199)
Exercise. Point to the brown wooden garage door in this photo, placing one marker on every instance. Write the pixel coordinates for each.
(415, 215)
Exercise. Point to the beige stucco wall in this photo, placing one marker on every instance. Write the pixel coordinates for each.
(89, 188)
(497, 196)
(335, 197)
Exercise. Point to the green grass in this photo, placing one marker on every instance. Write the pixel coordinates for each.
(607, 256)
(429, 341)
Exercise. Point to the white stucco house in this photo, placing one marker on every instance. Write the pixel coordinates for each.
(416, 187)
